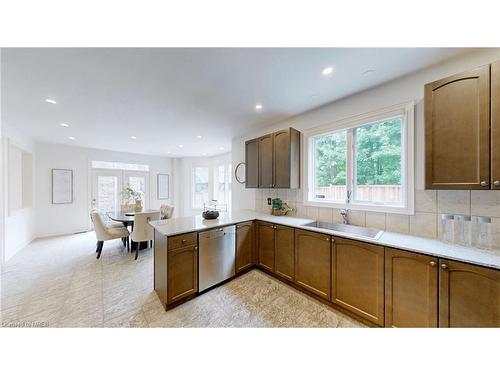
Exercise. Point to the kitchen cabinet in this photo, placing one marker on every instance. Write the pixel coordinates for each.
(182, 273)
(245, 245)
(457, 131)
(284, 251)
(411, 289)
(313, 262)
(266, 165)
(273, 160)
(495, 125)
(287, 159)
(265, 245)
(469, 296)
(358, 278)
(252, 163)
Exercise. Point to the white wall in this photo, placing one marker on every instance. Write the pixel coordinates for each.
(2, 210)
(19, 225)
(71, 218)
(404, 89)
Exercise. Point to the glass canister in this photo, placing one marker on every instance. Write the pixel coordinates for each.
(481, 232)
(463, 230)
(447, 228)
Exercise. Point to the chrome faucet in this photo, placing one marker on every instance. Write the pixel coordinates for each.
(344, 213)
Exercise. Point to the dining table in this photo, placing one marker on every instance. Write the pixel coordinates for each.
(127, 219)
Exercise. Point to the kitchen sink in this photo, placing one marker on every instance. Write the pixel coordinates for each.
(348, 229)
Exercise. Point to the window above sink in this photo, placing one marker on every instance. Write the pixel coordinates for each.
(365, 162)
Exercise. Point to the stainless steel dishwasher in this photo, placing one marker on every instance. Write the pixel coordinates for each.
(217, 256)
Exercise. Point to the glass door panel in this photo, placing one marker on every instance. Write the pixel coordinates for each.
(106, 189)
(139, 182)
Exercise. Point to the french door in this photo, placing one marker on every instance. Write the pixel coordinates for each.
(107, 185)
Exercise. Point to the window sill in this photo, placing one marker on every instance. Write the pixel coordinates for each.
(362, 207)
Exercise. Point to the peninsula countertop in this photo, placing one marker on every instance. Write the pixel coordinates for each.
(487, 258)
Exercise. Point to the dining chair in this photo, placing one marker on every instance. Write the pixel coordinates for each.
(166, 211)
(104, 233)
(142, 231)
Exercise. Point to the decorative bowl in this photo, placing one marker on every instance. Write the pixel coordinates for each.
(210, 215)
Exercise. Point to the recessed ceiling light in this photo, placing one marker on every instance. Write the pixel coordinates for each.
(368, 72)
(72, 138)
(204, 154)
(133, 137)
(64, 125)
(168, 152)
(198, 136)
(258, 107)
(327, 71)
(221, 148)
(314, 96)
(181, 146)
(51, 101)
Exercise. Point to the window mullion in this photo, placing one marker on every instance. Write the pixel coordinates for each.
(350, 165)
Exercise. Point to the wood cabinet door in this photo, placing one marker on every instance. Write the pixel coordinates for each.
(495, 125)
(182, 273)
(313, 262)
(457, 126)
(469, 296)
(282, 159)
(411, 289)
(244, 246)
(265, 244)
(284, 251)
(358, 278)
(252, 163)
(266, 164)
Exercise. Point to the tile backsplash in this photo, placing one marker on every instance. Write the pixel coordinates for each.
(429, 205)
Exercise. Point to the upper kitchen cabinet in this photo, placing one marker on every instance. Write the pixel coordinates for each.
(252, 163)
(495, 125)
(457, 131)
(266, 163)
(273, 160)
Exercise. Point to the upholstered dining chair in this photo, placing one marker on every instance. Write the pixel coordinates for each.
(104, 233)
(166, 211)
(142, 231)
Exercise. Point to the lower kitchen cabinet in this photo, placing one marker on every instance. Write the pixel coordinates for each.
(265, 245)
(358, 278)
(313, 262)
(469, 296)
(182, 273)
(284, 251)
(245, 245)
(411, 289)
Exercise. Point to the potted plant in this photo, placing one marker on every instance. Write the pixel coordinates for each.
(131, 199)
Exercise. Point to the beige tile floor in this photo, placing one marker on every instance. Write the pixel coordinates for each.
(58, 282)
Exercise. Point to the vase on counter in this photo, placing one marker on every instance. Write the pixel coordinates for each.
(138, 205)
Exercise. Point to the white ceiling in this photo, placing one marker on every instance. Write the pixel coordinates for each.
(167, 96)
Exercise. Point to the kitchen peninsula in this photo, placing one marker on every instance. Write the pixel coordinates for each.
(368, 278)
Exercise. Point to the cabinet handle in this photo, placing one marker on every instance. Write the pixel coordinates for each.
(496, 183)
(433, 264)
(444, 266)
(484, 183)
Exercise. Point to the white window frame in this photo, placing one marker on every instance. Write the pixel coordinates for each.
(406, 110)
(193, 183)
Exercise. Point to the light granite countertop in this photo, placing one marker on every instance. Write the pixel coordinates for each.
(488, 258)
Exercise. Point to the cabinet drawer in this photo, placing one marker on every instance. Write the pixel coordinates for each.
(182, 240)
